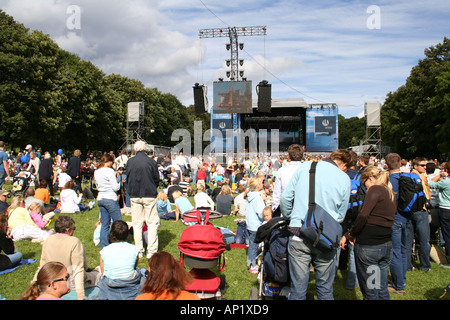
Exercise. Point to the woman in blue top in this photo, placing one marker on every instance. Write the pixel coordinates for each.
(163, 206)
(254, 218)
(183, 205)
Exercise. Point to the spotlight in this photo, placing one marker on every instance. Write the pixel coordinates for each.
(228, 46)
(241, 62)
(241, 46)
(228, 63)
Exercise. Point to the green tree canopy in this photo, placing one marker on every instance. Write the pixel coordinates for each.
(414, 118)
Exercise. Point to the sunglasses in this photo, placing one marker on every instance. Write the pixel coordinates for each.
(62, 279)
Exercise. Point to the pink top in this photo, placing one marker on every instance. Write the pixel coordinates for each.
(37, 218)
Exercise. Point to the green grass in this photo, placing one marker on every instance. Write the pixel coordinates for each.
(420, 285)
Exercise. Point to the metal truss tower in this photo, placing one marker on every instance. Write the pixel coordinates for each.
(233, 33)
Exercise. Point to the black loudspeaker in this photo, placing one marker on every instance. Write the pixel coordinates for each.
(264, 97)
(200, 98)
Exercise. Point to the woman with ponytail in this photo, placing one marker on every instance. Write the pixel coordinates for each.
(372, 235)
(52, 283)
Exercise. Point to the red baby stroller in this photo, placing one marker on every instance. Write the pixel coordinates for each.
(201, 248)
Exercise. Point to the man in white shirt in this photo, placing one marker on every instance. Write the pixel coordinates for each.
(285, 173)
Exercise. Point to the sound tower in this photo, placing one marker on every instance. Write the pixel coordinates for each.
(200, 98)
(264, 97)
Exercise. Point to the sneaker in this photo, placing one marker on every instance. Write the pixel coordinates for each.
(446, 266)
(254, 270)
(391, 289)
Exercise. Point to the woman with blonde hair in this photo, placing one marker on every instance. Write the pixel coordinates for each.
(224, 200)
(182, 205)
(51, 283)
(163, 206)
(202, 199)
(372, 235)
(254, 218)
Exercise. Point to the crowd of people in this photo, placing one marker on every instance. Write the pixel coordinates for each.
(151, 188)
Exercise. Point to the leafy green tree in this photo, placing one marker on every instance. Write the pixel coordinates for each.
(409, 120)
(351, 131)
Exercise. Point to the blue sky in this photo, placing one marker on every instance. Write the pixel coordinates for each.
(319, 51)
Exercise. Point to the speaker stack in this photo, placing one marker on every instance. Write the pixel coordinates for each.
(264, 90)
(200, 98)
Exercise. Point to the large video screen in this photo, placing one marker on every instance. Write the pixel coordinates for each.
(232, 97)
(321, 129)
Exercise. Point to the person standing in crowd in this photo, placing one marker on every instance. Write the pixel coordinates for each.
(143, 181)
(419, 229)
(4, 166)
(402, 221)
(371, 235)
(442, 183)
(332, 192)
(107, 201)
(46, 172)
(284, 175)
(73, 169)
(254, 207)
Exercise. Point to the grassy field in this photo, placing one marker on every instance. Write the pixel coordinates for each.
(420, 285)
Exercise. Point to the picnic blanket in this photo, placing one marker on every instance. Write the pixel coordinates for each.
(22, 263)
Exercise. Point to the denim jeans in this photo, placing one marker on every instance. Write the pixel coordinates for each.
(242, 233)
(301, 255)
(120, 289)
(444, 216)
(252, 252)
(2, 178)
(372, 267)
(352, 280)
(14, 258)
(399, 262)
(109, 211)
(420, 230)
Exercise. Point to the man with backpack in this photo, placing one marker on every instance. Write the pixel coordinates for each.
(420, 226)
(332, 191)
(402, 222)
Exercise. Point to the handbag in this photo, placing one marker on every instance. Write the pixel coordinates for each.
(320, 229)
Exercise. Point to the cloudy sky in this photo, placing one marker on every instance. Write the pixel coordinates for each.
(339, 51)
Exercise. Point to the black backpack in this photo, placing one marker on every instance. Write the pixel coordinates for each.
(411, 197)
(357, 195)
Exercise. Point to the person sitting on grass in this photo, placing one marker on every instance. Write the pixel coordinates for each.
(121, 278)
(52, 282)
(183, 205)
(166, 279)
